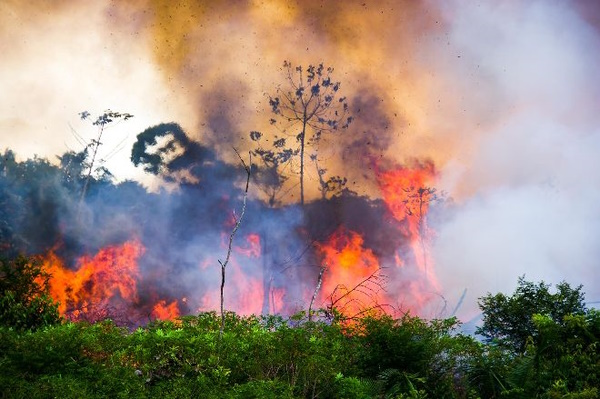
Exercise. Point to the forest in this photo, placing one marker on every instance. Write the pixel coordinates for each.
(108, 289)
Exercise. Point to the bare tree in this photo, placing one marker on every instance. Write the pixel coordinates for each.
(269, 174)
(101, 123)
(238, 222)
(307, 106)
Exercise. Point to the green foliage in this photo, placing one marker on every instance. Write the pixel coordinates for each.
(276, 357)
(355, 388)
(410, 356)
(389, 344)
(25, 302)
(508, 320)
(541, 344)
(487, 369)
(565, 355)
(67, 360)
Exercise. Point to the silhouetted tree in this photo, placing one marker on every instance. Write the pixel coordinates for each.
(101, 122)
(165, 150)
(333, 185)
(418, 200)
(238, 222)
(305, 107)
(269, 175)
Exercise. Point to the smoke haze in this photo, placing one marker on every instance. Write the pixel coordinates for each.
(502, 97)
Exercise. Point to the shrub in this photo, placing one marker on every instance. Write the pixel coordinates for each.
(25, 302)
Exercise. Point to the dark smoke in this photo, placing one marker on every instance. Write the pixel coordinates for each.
(182, 230)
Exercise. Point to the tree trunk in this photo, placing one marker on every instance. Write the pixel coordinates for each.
(223, 266)
(266, 308)
(238, 222)
(302, 140)
(86, 183)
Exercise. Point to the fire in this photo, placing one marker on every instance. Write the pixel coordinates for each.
(251, 248)
(163, 311)
(276, 299)
(408, 193)
(244, 281)
(350, 281)
(244, 289)
(99, 282)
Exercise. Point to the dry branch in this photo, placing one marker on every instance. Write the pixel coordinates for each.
(238, 222)
(319, 282)
(369, 287)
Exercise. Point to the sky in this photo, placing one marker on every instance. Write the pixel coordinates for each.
(502, 96)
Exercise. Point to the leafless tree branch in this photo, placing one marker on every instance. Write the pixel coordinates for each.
(238, 222)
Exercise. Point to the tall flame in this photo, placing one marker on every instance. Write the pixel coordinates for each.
(248, 287)
(240, 278)
(407, 192)
(350, 280)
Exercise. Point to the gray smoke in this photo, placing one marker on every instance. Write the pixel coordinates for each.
(527, 179)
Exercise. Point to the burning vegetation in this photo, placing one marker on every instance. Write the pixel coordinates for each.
(331, 252)
(124, 253)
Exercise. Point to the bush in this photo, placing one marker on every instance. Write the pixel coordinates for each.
(25, 303)
(273, 357)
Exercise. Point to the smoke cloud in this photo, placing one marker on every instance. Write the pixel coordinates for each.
(502, 97)
(526, 184)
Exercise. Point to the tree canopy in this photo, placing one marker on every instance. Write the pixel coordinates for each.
(305, 107)
(508, 320)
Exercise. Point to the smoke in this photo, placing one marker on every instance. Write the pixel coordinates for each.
(526, 186)
(502, 97)
(61, 58)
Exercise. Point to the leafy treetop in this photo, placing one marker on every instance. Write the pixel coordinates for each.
(508, 320)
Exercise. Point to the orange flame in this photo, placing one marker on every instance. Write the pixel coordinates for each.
(163, 311)
(405, 191)
(100, 281)
(408, 193)
(350, 281)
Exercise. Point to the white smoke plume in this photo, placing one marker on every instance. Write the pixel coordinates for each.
(527, 185)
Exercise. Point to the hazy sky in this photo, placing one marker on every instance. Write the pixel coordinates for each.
(504, 97)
